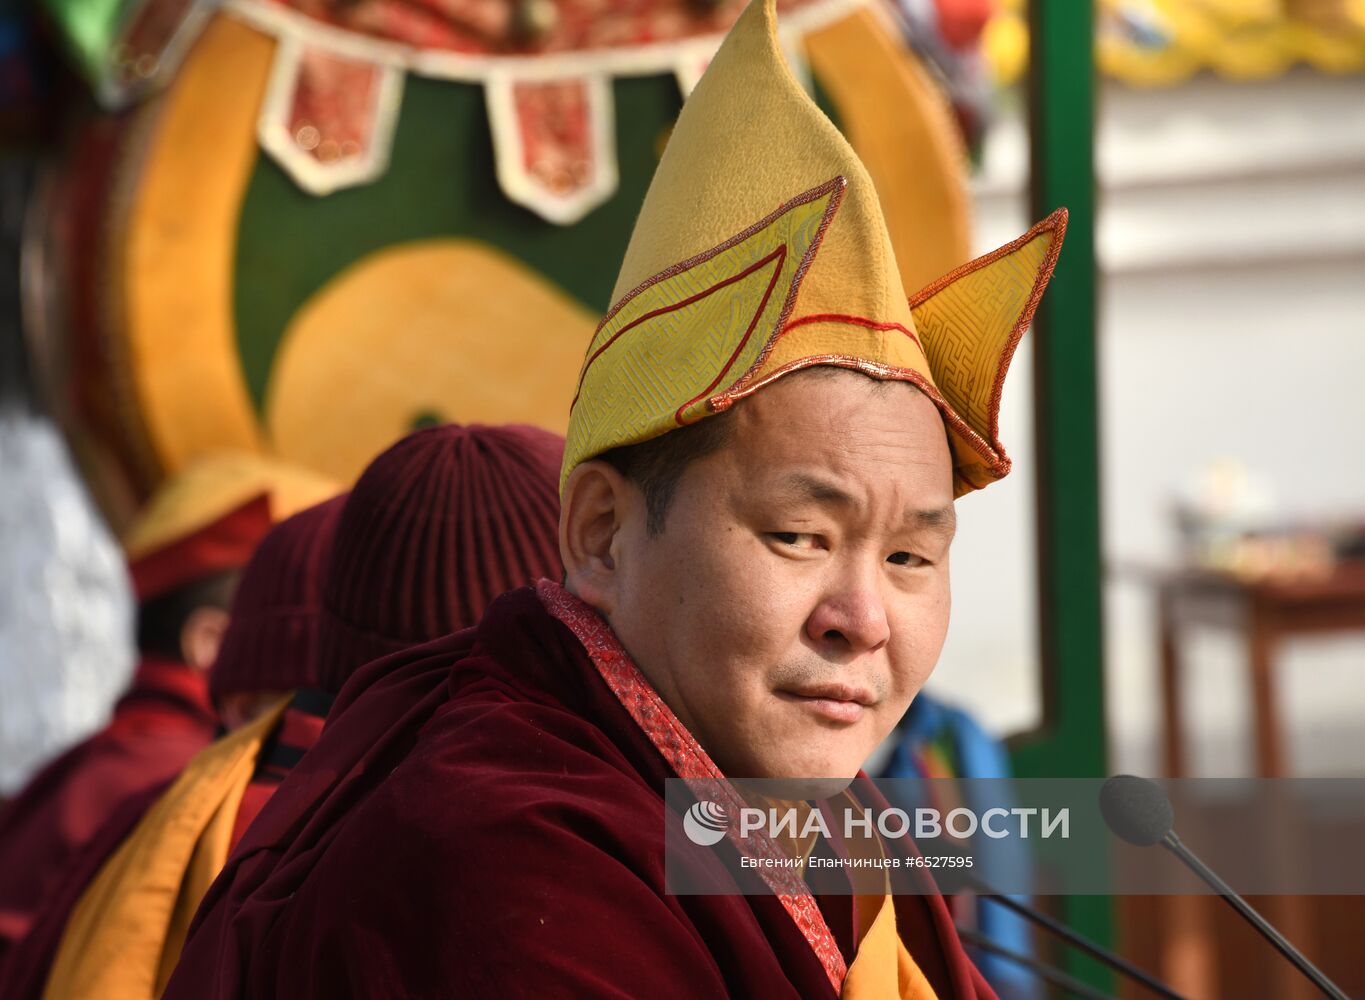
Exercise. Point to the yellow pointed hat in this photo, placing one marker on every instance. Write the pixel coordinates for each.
(761, 250)
(211, 514)
(213, 485)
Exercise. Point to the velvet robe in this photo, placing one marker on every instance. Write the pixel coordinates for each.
(483, 817)
(163, 720)
(25, 970)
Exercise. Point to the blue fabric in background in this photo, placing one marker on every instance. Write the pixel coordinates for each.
(978, 755)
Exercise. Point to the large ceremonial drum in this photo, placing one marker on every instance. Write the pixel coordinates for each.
(336, 221)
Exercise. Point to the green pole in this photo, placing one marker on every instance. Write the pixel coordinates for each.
(1072, 740)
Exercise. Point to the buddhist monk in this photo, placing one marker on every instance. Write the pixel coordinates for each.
(757, 510)
(185, 551)
(119, 927)
(439, 525)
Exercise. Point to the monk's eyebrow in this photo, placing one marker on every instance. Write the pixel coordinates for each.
(802, 487)
(939, 519)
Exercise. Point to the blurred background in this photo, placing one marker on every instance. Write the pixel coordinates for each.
(305, 227)
(1229, 164)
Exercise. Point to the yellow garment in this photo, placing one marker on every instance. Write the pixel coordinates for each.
(883, 967)
(761, 249)
(125, 934)
(214, 485)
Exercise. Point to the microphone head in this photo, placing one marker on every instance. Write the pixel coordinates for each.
(1136, 810)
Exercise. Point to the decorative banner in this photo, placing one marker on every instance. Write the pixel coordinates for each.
(335, 87)
(691, 64)
(264, 320)
(328, 119)
(1162, 43)
(129, 50)
(555, 143)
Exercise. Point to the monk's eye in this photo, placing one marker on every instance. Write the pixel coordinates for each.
(794, 539)
(904, 559)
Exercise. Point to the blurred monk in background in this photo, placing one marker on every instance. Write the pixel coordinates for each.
(185, 551)
(149, 888)
(436, 527)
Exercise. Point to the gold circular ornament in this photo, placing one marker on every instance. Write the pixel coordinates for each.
(432, 329)
(423, 332)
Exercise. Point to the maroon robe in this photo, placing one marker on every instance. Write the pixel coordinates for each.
(162, 721)
(298, 729)
(489, 821)
(25, 967)
(24, 971)
(371, 727)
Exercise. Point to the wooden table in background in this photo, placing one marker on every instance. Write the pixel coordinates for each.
(1264, 612)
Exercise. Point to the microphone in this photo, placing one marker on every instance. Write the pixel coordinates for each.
(1137, 810)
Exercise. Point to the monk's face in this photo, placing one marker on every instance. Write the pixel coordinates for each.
(797, 596)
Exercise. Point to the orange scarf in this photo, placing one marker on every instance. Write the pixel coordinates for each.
(126, 932)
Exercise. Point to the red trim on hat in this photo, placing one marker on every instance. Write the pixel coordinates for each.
(223, 544)
(862, 321)
(778, 255)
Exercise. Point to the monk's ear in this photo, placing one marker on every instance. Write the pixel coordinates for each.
(202, 634)
(592, 511)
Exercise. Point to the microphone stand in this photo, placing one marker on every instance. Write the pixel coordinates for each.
(1177, 847)
(1095, 951)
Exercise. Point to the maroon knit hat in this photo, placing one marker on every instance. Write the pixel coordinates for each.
(271, 639)
(437, 526)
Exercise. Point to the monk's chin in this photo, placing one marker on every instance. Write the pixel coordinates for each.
(793, 788)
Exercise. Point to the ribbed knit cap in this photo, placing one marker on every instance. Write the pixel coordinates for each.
(271, 640)
(437, 526)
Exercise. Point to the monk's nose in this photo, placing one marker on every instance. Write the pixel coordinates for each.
(852, 616)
